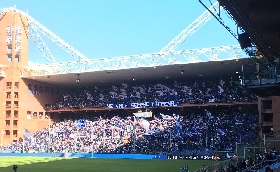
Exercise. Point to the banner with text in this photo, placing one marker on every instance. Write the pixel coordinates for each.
(143, 114)
(145, 104)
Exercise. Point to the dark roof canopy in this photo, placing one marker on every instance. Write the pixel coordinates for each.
(261, 20)
(194, 71)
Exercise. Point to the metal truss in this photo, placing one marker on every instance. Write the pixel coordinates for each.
(220, 19)
(137, 61)
(192, 28)
(40, 43)
(2, 70)
(36, 27)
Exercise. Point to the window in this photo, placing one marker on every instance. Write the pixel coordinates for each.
(15, 133)
(8, 104)
(18, 48)
(8, 114)
(34, 115)
(15, 104)
(28, 115)
(9, 85)
(268, 117)
(40, 115)
(16, 95)
(16, 85)
(9, 39)
(15, 123)
(18, 30)
(17, 58)
(8, 95)
(9, 57)
(267, 129)
(16, 115)
(7, 123)
(267, 104)
(9, 30)
(18, 39)
(7, 132)
(10, 48)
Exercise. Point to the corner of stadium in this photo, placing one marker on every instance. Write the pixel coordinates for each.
(208, 106)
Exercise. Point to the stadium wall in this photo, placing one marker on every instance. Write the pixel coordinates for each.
(88, 155)
(269, 117)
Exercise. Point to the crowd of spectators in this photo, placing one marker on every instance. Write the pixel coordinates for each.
(261, 160)
(196, 92)
(198, 132)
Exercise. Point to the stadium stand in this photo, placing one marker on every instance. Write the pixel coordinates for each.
(168, 133)
(211, 116)
(185, 93)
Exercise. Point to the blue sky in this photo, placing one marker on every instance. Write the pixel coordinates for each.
(111, 28)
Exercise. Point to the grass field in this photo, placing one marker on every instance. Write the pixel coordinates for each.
(30, 164)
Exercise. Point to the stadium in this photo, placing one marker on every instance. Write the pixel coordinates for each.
(210, 108)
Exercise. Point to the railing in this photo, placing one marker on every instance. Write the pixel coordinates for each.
(261, 165)
(265, 73)
(253, 168)
(218, 165)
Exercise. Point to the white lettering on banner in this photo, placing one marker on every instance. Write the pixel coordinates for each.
(145, 104)
(110, 105)
(143, 114)
(121, 106)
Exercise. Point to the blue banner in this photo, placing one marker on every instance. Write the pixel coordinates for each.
(145, 104)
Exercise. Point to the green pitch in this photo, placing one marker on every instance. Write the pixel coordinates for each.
(30, 164)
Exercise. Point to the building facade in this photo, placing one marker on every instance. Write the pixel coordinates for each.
(22, 101)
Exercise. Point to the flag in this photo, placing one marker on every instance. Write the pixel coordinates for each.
(220, 132)
(221, 86)
(81, 123)
(209, 115)
(166, 117)
(150, 133)
(82, 135)
(27, 135)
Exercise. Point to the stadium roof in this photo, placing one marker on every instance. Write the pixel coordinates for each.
(193, 71)
(261, 20)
